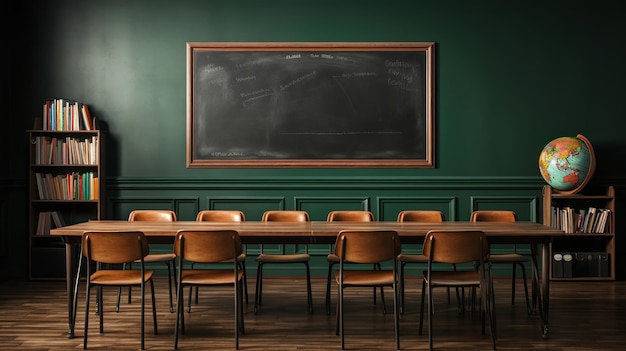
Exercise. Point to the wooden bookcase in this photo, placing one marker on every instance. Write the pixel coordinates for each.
(582, 255)
(81, 180)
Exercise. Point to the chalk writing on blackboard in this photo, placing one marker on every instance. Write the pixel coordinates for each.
(310, 104)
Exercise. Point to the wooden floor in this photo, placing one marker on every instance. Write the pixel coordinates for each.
(583, 316)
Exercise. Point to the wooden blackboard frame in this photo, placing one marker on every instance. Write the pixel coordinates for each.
(421, 128)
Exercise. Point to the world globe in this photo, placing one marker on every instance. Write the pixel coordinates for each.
(567, 163)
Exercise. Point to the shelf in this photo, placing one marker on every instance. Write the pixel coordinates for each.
(69, 186)
(599, 247)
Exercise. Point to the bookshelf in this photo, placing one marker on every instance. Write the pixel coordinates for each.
(587, 251)
(65, 186)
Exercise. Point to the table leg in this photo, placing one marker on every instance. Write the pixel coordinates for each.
(542, 281)
(545, 282)
(70, 256)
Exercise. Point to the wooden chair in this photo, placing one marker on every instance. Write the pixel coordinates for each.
(106, 249)
(263, 258)
(224, 216)
(208, 247)
(425, 216)
(514, 259)
(374, 248)
(165, 258)
(332, 258)
(457, 248)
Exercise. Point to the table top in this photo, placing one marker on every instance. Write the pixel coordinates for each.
(315, 232)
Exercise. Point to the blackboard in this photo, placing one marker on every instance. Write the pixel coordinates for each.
(310, 104)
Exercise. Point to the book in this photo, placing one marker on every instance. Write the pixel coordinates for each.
(579, 222)
(39, 231)
(57, 219)
(87, 120)
(606, 226)
(40, 186)
(591, 217)
(602, 221)
(44, 224)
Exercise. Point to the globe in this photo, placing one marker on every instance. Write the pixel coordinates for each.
(567, 163)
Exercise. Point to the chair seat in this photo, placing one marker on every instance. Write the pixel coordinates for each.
(508, 258)
(453, 278)
(159, 257)
(297, 258)
(332, 258)
(120, 277)
(241, 258)
(407, 258)
(209, 277)
(366, 278)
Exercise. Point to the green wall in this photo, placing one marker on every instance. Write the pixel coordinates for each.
(510, 76)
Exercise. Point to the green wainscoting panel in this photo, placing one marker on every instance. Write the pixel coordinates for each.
(456, 197)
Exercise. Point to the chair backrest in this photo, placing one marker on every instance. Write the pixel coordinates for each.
(220, 216)
(456, 247)
(285, 216)
(114, 247)
(430, 216)
(152, 215)
(493, 216)
(350, 216)
(207, 246)
(367, 246)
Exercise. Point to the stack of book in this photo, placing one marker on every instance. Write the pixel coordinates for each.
(61, 114)
(591, 220)
(71, 186)
(48, 220)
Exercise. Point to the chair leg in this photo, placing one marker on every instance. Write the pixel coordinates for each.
(528, 306)
(238, 314)
(179, 313)
(154, 315)
(258, 298)
(169, 283)
(245, 282)
(514, 268)
(119, 294)
(396, 315)
(430, 316)
(87, 296)
(190, 293)
(308, 288)
(240, 324)
(100, 299)
(491, 310)
(337, 312)
(494, 326)
(340, 316)
(242, 266)
(402, 287)
(422, 307)
(382, 292)
(75, 291)
(130, 266)
(330, 271)
(259, 287)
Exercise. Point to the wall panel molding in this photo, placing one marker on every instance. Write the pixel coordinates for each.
(388, 206)
(508, 202)
(327, 182)
(120, 207)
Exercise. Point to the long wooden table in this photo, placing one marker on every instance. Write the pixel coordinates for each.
(535, 234)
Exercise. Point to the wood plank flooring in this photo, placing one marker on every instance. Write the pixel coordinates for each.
(583, 316)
